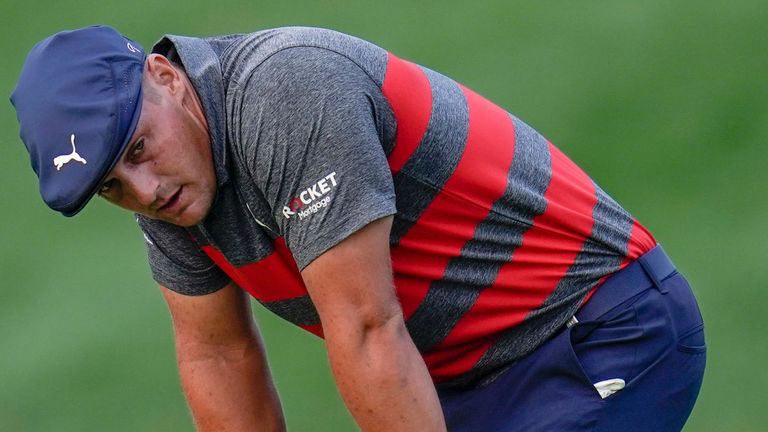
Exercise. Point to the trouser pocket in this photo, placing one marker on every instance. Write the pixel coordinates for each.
(612, 347)
(692, 341)
(655, 343)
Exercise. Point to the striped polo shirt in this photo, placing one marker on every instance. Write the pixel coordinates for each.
(497, 236)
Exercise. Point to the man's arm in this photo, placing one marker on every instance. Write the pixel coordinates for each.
(378, 369)
(221, 361)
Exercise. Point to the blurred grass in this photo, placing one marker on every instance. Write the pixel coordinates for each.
(663, 103)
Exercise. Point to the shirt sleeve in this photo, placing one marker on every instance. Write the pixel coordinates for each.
(313, 146)
(177, 262)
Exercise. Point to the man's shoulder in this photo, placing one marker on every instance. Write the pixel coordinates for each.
(246, 53)
(276, 79)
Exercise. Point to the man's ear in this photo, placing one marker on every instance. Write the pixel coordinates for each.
(162, 73)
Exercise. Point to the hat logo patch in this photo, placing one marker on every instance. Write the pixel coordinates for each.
(132, 48)
(60, 161)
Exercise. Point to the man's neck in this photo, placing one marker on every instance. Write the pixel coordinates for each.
(193, 103)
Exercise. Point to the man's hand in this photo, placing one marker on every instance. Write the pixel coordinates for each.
(378, 369)
(221, 361)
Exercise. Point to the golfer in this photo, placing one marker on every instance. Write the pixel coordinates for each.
(463, 272)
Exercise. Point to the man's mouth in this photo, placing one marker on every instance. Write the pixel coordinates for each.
(171, 202)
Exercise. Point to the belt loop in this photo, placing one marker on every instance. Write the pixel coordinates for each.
(651, 272)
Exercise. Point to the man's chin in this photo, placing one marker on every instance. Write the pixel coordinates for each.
(194, 214)
(186, 218)
(191, 213)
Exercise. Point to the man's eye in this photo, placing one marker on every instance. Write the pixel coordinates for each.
(106, 187)
(136, 150)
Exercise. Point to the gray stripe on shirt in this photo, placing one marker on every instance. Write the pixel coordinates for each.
(298, 310)
(494, 241)
(436, 157)
(612, 228)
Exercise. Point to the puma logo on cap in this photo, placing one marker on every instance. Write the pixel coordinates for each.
(60, 161)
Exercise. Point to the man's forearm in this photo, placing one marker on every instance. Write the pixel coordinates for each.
(229, 389)
(383, 379)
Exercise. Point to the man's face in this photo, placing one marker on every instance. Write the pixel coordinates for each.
(166, 171)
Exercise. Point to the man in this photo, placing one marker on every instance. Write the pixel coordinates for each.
(461, 269)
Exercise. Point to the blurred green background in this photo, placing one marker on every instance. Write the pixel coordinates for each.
(663, 103)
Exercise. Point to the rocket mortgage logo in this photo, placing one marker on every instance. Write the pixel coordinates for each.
(311, 199)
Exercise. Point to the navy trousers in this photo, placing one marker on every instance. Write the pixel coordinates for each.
(642, 326)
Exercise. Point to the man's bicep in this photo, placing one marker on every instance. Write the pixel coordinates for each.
(219, 318)
(351, 283)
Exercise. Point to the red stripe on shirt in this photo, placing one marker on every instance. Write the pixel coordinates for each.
(449, 222)
(640, 241)
(224, 264)
(315, 329)
(275, 277)
(450, 363)
(548, 250)
(409, 93)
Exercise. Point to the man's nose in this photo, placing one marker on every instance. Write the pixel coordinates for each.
(143, 187)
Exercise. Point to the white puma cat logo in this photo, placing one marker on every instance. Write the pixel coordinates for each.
(59, 161)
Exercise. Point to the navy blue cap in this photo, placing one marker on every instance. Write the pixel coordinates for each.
(78, 100)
